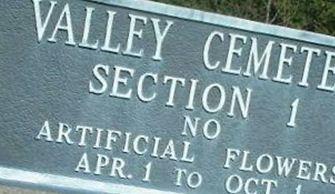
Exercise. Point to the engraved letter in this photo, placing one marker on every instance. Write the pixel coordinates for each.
(83, 164)
(84, 130)
(99, 77)
(45, 131)
(244, 105)
(102, 161)
(328, 68)
(109, 28)
(221, 101)
(207, 47)
(40, 26)
(285, 167)
(310, 52)
(63, 133)
(193, 126)
(132, 33)
(68, 27)
(234, 51)
(160, 37)
(174, 81)
(256, 61)
(231, 155)
(284, 60)
(140, 87)
(118, 80)
(84, 42)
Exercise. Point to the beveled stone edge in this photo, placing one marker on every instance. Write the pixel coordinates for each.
(59, 182)
(222, 20)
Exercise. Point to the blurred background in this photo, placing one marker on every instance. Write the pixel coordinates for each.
(311, 15)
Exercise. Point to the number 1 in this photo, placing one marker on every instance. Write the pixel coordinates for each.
(294, 109)
(298, 190)
(147, 172)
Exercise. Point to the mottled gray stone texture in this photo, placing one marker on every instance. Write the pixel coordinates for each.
(42, 81)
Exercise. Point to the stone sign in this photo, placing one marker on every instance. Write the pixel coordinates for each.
(133, 97)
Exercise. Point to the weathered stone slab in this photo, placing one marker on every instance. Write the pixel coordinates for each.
(140, 97)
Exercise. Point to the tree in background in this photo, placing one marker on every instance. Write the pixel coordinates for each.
(311, 15)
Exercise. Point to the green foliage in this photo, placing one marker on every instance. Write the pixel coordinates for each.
(311, 15)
